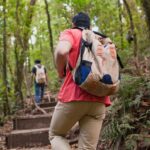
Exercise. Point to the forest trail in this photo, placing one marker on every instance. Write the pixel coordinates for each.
(30, 128)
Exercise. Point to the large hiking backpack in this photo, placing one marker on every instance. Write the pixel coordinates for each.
(40, 76)
(97, 69)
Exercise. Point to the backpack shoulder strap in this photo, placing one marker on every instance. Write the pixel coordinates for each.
(36, 66)
(100, 34)
(78, 28)
(119, 61)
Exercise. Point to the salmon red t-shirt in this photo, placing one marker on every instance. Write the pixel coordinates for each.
(69, 91)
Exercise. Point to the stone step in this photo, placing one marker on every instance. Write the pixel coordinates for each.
(30, 138)
(32, 122)
(27, 138)
(48, 104)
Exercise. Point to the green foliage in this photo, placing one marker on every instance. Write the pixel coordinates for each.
(130, 91)
(131, 141)
(35, 54)
(54, 83)
(124, 116)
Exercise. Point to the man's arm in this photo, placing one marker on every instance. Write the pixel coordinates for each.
(61, 53)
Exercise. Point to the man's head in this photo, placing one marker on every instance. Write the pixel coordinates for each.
(37, 61)
(81, 20)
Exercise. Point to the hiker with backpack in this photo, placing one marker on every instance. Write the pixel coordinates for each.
(40, 80)
(82, 97)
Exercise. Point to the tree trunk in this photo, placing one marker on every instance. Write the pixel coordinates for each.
(18, 74)
(146, 6)
(121, 25)
(49, 29)
(132, 28)
(5, 82)
(22, 43)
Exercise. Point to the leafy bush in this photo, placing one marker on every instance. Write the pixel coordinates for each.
(124, 118)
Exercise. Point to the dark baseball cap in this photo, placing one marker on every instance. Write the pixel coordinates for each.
(37, 61)
(81, 20)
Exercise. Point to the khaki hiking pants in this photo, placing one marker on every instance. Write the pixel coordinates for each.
(89, 115)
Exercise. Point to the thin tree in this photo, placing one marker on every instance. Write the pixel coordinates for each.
(21, 47)
(146, 6)
(132, 29)
(5, 82)
(49, 29)
(121, 24)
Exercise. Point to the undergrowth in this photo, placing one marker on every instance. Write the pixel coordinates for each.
(127, 124)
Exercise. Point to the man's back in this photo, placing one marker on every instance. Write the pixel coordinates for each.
(69, 90)
(38, 68)
(40, 76)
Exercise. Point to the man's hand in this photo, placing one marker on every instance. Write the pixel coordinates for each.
(62, 73)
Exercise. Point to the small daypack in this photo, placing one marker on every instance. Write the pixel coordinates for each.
(40, 74)
(97, 70)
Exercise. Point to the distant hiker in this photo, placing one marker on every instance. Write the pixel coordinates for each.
(75, 104)
(40, 80)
